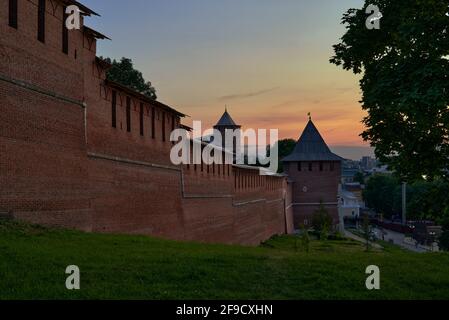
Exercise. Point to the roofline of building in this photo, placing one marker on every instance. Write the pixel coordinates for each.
(94, 33)
(311, 147)
(183, 126)
(227, 126)
(87, 11)
(315, 160)
(269, 173)
(226, 121)
(143, 97)
(210, 144)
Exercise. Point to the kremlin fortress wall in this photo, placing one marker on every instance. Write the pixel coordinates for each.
(82, 152)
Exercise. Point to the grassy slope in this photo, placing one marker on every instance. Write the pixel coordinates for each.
(33, 261)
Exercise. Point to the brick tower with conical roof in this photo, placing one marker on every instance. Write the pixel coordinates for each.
(227, 123)
(315, 174)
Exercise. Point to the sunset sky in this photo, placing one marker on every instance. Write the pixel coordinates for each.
(268, 60)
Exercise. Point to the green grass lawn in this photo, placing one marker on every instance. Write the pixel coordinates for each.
(33, 261)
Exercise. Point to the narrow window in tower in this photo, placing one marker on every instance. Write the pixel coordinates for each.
(128, 114)
(65, 32)
(163, 126)
(41, 21)
(141, 119)
(310, 166)
(321, 166)
(114, 109)
(299, 166)
(13, 13)
(153, 123)
(173, 125)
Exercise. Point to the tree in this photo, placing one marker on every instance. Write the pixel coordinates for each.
(123, 72)
(426, 200)
(305, 239)
(382, 193)
(367, 231)
(322, 222)
(405, 82)
(359, 177)
(285, 148)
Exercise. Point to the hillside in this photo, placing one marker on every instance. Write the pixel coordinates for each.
(33, 261)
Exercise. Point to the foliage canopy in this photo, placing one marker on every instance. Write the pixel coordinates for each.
(405, 82)
(123, 72)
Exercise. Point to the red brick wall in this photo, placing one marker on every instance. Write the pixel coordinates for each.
(25, 58)
(290, 224)
(128, 198)
(43, 164)
(243, 208)
(62, 163)
(309, 188)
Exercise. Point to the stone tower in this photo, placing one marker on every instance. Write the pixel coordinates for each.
(227, 123)
(315, 174)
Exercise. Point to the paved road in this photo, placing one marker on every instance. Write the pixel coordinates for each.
(391, 237)
(398, 239)
(352, 236)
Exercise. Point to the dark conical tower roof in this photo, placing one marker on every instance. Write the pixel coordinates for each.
(311, 147)
(226, 121)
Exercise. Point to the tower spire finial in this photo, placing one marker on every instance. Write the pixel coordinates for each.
(310, 116)
(226, 108)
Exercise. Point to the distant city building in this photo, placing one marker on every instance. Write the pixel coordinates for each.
(357, 190)
(349, 205)
(348, 175)
(351, 201)
(368, 163)
(381, 169)
(349, 170)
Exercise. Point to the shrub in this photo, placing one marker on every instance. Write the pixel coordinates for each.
(322, 222)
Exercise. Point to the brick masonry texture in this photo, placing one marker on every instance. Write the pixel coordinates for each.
(310, 188)
(63, 163)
